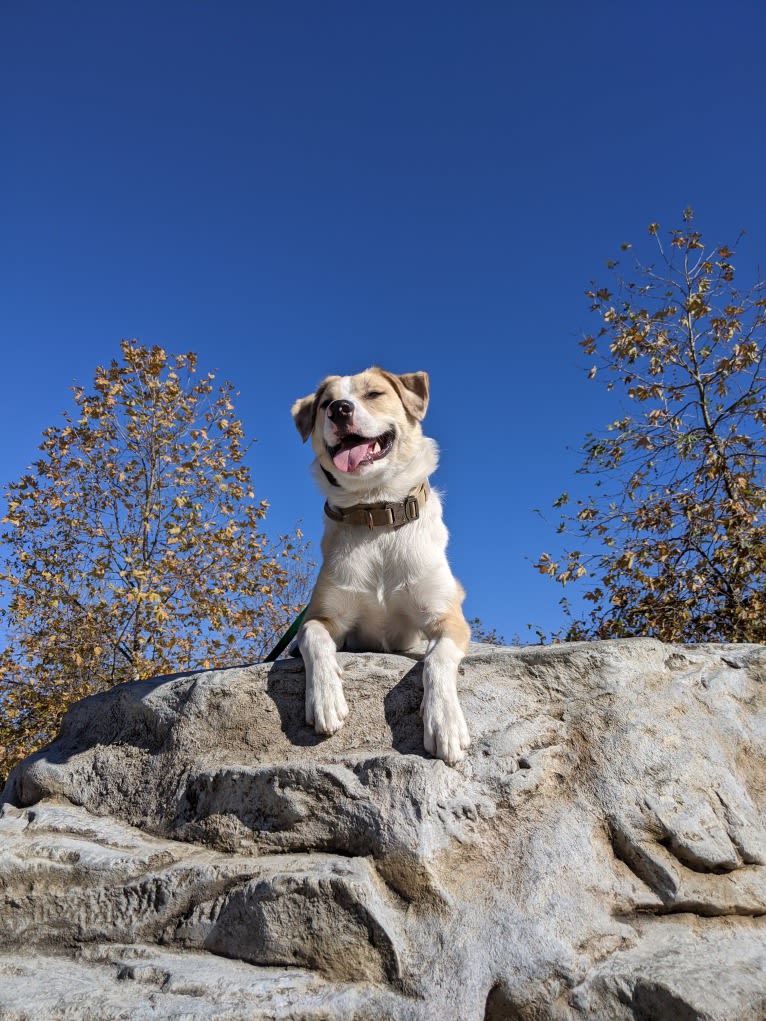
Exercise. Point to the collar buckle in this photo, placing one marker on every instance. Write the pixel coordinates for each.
(411, 508)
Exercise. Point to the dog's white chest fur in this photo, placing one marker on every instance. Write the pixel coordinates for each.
(388, 585)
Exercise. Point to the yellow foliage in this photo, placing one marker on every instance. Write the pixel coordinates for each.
(674, 537)
(132, 547)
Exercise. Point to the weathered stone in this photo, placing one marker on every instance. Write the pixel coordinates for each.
(187, 847)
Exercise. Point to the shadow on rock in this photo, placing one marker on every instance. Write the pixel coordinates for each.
(402, 710)
(286, 687)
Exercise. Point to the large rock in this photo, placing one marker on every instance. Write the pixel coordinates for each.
(188, 848)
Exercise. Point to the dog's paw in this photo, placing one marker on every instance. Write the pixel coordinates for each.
(445, 733)
(326, 707)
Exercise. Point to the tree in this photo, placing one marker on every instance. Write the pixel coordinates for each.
(673, 540)
(480, 632)
(135, 546)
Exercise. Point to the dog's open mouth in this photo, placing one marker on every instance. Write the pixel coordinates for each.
(354, 451)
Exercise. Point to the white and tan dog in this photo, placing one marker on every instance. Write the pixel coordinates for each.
(384, 581)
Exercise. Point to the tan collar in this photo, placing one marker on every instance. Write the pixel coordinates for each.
(377, 515)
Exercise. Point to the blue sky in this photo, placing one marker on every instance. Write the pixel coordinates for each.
(296, 189)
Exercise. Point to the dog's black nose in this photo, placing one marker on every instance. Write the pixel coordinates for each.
(340, 412)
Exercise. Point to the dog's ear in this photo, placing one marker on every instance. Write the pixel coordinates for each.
(303, 412)
(412, 388)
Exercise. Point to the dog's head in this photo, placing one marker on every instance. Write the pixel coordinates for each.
(364, 427)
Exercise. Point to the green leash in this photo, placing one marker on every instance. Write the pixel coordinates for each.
(287, 637)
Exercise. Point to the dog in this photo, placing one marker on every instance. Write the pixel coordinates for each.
(385, 581)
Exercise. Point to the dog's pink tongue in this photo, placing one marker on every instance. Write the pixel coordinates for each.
(349, 459)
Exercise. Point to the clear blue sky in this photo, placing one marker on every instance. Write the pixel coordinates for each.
(299, 188)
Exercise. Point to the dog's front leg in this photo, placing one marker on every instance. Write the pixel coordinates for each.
(445, 733)
(326, 707)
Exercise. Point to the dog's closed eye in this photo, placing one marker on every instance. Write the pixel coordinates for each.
(372, 394)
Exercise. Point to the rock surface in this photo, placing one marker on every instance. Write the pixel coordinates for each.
(188, 848)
